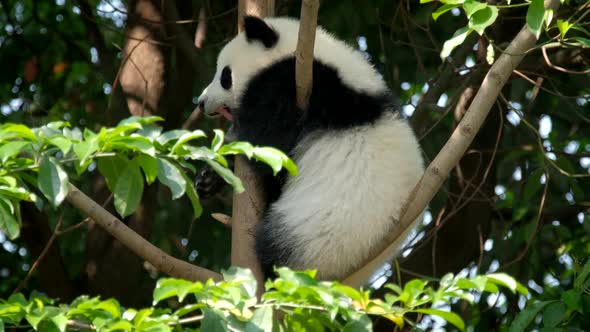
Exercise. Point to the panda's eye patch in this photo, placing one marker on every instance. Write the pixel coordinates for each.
(226, 78)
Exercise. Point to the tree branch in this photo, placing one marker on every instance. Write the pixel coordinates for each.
(247, 206)
(304, 51)
(450, 154)
(162, 261)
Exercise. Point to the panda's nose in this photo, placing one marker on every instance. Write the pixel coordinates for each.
(201, 103)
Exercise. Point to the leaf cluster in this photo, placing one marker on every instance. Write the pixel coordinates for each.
(294, 301)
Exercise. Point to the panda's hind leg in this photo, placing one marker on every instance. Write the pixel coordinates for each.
(272, 247)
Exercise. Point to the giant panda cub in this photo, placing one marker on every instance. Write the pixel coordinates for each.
(358, 159)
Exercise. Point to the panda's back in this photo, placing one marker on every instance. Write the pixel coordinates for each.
(351, 186)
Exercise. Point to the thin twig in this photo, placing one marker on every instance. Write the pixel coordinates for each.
(561, 69)
(44, 252)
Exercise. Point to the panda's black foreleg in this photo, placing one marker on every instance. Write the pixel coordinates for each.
(209, 183)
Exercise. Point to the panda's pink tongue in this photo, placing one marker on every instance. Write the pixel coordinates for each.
(224, 111)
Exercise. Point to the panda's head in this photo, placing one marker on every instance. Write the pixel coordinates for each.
(261, 44)
(267, 41)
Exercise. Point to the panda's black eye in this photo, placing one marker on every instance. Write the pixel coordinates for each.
(226, 78)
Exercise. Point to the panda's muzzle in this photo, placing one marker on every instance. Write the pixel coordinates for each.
(222, 110)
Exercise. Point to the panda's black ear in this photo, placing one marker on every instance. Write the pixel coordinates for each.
(257, 29)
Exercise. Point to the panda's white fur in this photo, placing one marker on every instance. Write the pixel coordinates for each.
(352, 180)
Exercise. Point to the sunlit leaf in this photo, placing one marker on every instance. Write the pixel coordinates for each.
(9, 225)
(149, 165)
(442, 9)
(535, 16)
(450, 317)
(458, 38)
(227, 175)
(12, 149)
(171, 176)
(52, 180)
(483, 18)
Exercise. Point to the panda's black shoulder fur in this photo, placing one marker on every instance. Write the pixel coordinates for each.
(268, 114)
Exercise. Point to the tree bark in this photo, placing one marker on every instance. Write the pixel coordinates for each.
(248, 206)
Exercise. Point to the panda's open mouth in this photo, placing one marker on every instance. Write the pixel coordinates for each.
(223, 111)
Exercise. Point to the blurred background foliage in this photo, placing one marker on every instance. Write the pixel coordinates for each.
(517, 203)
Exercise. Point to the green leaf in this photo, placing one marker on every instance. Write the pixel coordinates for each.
(553, 314)
(450, 317)
(172, 177)
(457, 39)
(134, 143)
(261, 321)
(9, 181)
(9, 225)
(526, 316)
(12, 149)
(121, 325)
(187, 137)
(243, 276)
(471, 7)
(234, 148)
(535, 16)
(573, 299)
(52, 180)
(63, 144)
(548, 17)
(483, 18)
(119, 130)
(60, 321)
(171, 135)
(217, 140)
(364, 323)
(35, 317)
(227, 175)
(193, 196)
(581, 278)
(83, 150)
(111, 306)
(13, 130)
(112, 168)
(214, 321)
(18, 193)
(584, 41)
(149, 165)
(507, 281)
(129, 189)
(442, 9)
(275, 159)
(141, 120)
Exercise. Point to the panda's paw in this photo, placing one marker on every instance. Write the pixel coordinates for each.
(208, 182)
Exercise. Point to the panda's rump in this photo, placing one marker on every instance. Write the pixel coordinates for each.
(351, 185)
